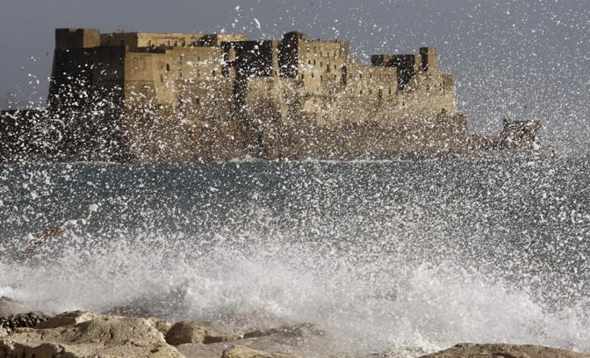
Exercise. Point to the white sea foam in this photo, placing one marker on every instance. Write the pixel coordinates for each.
(368, 298)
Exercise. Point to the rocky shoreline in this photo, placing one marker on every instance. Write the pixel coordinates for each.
(87, 334)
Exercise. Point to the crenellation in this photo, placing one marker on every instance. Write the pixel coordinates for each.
(76, 38)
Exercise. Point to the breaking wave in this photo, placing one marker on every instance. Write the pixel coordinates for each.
(415, 263)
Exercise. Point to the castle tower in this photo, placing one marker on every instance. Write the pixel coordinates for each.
(76, 38)
(429, 58)
(289, 55)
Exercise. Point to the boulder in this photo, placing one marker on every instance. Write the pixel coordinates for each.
(104, 336)
(199, 350)
(245, 352)
(161, 325)
(67, 319)
(304, 340)
(198, 332)
(22, 320)
(504, 351)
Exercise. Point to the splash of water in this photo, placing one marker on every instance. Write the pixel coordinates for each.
(369, 295)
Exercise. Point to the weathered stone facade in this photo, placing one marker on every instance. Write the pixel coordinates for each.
(154, 96)
(187, 97)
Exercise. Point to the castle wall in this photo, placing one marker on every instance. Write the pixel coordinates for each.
(85, 94)
(216, 97)
(176, 94)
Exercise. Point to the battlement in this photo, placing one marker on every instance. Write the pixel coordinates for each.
(76, 38)
(91, 38)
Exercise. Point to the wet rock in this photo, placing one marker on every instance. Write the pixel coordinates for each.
(199, 350)
(296, 330)
(161, 325)
(304, 340)
(504, 351)
(103, 336)
(67, 319)
(198, 332)
(22, 320)
(245, 352)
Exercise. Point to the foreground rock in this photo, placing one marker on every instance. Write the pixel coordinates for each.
(85, 334)
(245, 352)
(198, 332)
(102, 336)
(22, 320)
(504, 351)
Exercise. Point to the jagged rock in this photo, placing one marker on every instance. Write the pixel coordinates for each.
(161, 325)
(22, 320)
(297, 330)
(103, 336)
(304, 340)
(245, 352)
(199, 350)
(504, 351)
(198, 332)
(67, 319)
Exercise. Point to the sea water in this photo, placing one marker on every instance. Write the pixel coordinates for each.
(420, 254)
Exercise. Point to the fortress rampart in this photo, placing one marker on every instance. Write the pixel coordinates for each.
(171, 96)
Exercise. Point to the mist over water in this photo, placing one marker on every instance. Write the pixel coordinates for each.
(386, 255)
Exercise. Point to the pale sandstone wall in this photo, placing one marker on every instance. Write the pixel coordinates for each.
(194, 96)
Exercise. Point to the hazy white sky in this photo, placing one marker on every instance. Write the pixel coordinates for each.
(527, 58)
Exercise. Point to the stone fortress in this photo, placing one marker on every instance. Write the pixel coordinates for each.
(189, 97)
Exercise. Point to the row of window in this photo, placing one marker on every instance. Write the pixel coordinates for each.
(333, 54)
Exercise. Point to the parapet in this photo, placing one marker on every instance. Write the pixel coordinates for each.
(76, 38)
(407, 66)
